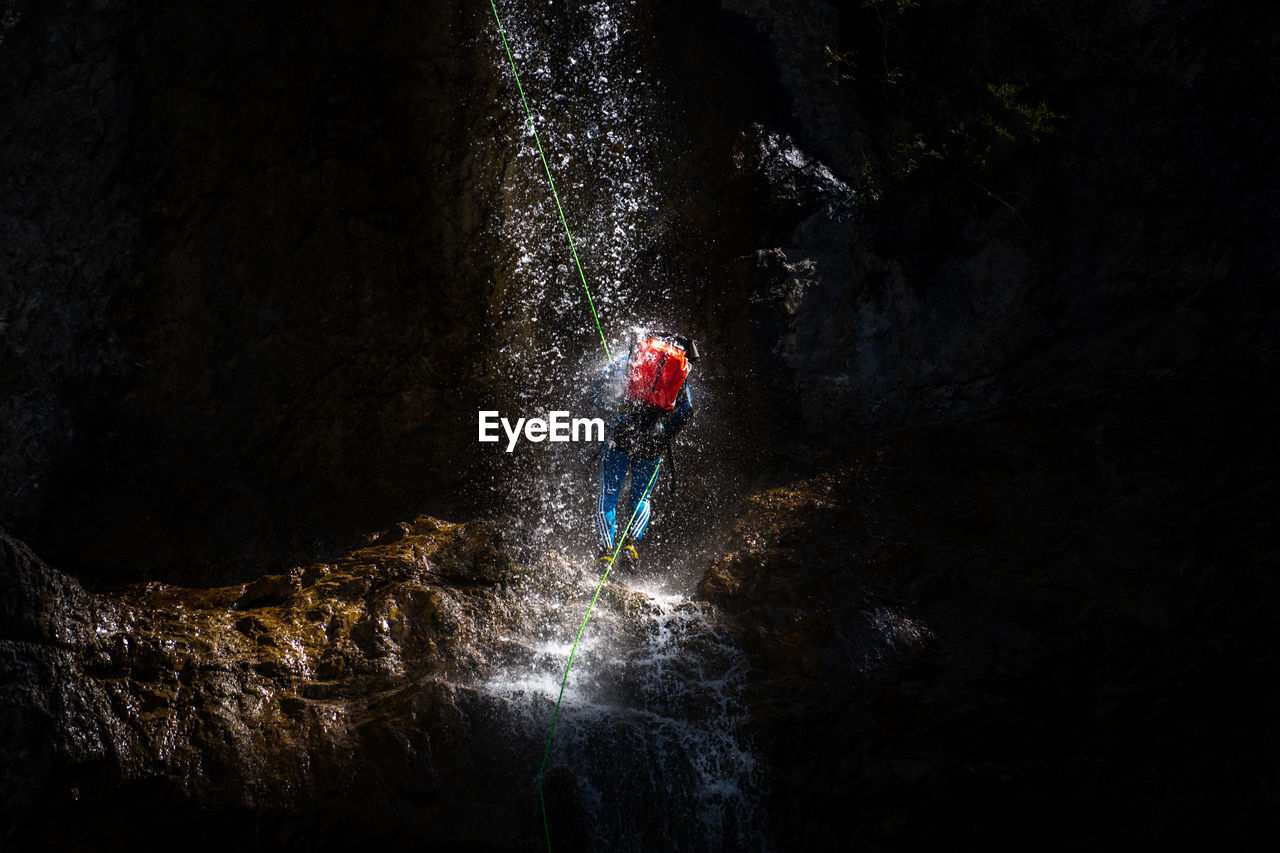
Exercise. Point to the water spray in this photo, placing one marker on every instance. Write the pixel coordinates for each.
(573, 249)
(609, 357)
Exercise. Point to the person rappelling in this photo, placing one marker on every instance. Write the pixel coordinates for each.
(649, 402)
(646, 393)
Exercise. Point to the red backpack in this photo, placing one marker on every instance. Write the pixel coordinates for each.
(658, 368)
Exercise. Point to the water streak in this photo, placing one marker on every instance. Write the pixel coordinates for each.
(652, 725)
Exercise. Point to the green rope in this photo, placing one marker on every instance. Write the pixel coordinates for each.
(573, 249)
(546, 753)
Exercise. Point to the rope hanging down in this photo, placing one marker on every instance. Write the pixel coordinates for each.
(546, 753)
(573, 249)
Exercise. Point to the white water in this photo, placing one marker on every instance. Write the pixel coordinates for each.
(652, 721)
(651, 725)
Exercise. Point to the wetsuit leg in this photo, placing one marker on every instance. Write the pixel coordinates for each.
(613, 470)
(641, 473)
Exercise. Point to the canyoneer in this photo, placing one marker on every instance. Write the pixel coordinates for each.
(646, 394)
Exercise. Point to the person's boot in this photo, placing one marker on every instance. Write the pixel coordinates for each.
(630, 557)
(604, 559)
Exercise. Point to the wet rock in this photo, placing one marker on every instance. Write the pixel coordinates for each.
(166, 703)
(970, 634)
(251, 276)
(34, 602)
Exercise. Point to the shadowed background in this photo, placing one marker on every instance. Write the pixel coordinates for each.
(988, 301)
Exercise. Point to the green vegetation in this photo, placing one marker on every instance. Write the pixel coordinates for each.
(1037, 119)
(973, 144)
(842, 64)
(947, 99)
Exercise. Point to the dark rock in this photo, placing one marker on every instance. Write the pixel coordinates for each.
(238, 275)
(1016, 633)
(253, 276)
(1103, 256)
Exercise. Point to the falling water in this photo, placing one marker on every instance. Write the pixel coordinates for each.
(594, 105)
(652, 724)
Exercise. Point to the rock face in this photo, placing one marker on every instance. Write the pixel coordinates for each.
(985, 295)
(321, 706)
(401, 692)
(1118, 247)
(1033, 633)
(240, 261)
(262, 286)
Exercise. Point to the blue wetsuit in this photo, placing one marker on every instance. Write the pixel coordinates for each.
(637, 440)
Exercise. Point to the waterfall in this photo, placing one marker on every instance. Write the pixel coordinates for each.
(593, 102)
(651, 729)
(652, 725)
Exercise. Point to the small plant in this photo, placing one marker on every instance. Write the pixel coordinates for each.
(887, 12)
(839, 64)
(894, 8)
(910, 155)
(1038, 120)
(970, 146)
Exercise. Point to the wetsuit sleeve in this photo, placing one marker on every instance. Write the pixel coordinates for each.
(676, 420)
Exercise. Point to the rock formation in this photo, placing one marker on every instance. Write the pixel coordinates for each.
(986, 477)
(311, 707)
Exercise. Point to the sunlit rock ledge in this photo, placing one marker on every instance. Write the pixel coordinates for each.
(180, 704)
